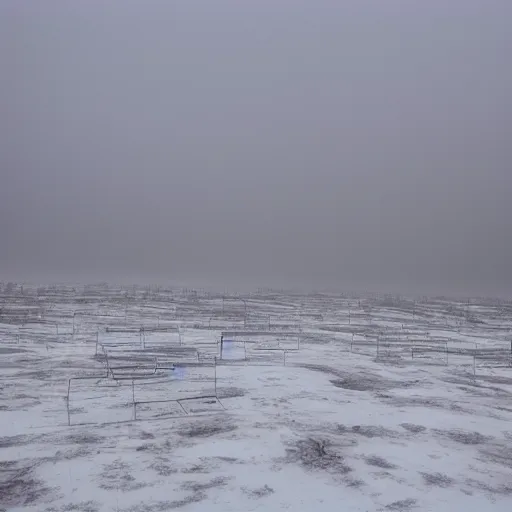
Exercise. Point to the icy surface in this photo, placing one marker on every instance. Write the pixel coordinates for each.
(387, 404)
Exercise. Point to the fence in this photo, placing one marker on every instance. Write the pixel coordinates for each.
(258, 347)
(466, 355)
(183, 389)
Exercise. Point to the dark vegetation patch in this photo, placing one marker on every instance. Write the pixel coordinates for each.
(475, 385)
(437, 479)
(69, 454)
(380, 475)
(162, 467)
(317, 454)
(495, 379)
(231, 392)
(411, 427)
(8, 464)
(260, 492)
(164, 506)
(463, 436)
(39, 374)
(19, 440)
(380, 462)
(335, 328)
(11, 350)
(197, 468)
(324, 369)
(369, 431)
(498, 454)
(122, 405)
(359, 382)
(146, 447)
(492, 490)
(116, 476)
(196, 487)
(84, 438)
(429, 403)
(402, 505)
(24, 489)
(355, 384)
(20, 406)
(82, 506)
(478, 380)
(316, 339)
(76, 410)
(232, 460)
(207, 429)
(355, 483)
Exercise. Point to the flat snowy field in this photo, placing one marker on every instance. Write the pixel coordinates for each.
(325, 403)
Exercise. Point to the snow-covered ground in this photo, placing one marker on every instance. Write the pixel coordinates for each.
(382, 404)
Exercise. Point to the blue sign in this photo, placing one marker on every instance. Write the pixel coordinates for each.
(179, 372)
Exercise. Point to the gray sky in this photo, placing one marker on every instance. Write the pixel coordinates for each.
(349, 144)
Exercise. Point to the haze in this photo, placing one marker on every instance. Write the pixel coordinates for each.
(341, 144)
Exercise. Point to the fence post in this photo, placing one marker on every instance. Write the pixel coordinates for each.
(221, 345)
(446, 346)
(215, 375)
(284, 357)
(133, 400)
(108, 365)
(378, 341)
(67, 403)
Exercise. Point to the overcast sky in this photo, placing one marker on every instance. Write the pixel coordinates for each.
(343, 143)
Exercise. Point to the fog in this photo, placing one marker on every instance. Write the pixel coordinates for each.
(335, 144)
